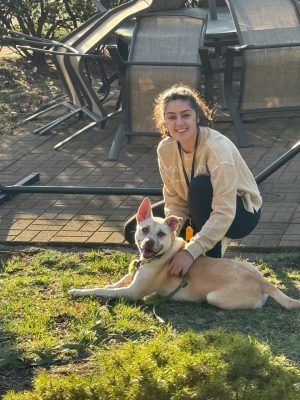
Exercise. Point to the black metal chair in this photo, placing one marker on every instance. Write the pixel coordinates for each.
(70, 56)
(269, 59)
(164, 51)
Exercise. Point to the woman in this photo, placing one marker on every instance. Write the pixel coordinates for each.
(205, 179)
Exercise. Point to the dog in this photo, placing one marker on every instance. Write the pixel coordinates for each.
(224, 283)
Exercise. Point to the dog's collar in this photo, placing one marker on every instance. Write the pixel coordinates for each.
(149, 260)
(137, 263)
(134, 266)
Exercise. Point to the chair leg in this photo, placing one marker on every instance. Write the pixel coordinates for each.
(56, 122)
(42, 110)
(87, 127)
(71, 137)
(119, 101)
(208, 72)
(117, 143)
(237, 121)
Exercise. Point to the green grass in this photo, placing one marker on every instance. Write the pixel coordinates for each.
(42, 327)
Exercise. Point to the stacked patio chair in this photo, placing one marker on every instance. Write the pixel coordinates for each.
(91, 38)
(269, 52)
(75, 101)
(164, 51)
(71, 54)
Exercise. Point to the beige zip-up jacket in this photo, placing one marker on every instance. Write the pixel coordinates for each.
(216, 156)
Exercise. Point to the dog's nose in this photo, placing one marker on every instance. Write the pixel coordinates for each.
(149, 244)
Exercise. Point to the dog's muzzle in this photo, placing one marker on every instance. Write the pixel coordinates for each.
(148, 249)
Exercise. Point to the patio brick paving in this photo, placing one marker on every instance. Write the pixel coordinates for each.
(94, 220)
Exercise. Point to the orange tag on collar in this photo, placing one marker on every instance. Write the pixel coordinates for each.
(189, 233)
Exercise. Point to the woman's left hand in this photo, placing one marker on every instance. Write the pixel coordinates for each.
(180, 263)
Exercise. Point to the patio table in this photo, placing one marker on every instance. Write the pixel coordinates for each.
(219, 30)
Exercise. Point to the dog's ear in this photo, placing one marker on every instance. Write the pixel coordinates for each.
(173, 222)
(144, 210)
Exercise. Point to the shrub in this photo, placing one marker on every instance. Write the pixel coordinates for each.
(214, 365)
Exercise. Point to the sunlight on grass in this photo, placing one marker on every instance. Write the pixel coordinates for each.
(42, 326)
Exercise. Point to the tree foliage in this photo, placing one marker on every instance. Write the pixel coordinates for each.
(49, 19)
(44, 18)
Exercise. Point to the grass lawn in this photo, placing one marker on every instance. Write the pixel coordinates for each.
(42, 329)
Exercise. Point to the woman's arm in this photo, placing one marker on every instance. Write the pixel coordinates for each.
(224, 179)
(224, 185)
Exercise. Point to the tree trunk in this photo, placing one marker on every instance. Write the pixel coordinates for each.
(39, 61)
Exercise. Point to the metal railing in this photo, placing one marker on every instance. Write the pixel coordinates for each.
(24, 186)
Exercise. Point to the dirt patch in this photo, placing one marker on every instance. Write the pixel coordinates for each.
(6, 52)
(17, 379)
(22, 89)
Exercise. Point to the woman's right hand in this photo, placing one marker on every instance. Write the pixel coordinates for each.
(180, 263)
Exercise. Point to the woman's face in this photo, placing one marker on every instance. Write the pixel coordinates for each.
(181, 122)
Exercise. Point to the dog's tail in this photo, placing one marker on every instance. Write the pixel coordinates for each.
(284, 300)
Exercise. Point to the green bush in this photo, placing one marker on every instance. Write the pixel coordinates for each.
(210, 366)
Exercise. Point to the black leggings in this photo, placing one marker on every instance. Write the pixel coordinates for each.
(199, 202)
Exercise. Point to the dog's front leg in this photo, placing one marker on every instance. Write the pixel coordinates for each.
(126, 280)
(131, 292)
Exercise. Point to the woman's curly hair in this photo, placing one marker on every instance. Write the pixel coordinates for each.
(185, 93)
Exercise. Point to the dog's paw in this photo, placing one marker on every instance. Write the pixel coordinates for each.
(76, 292)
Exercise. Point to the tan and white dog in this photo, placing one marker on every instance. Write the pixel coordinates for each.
(225, 283)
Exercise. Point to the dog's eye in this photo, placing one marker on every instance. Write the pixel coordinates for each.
(161, 234)
(145, 230)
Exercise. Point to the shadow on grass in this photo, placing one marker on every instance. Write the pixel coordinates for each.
(285, 267)
(15, 374)
(273, 325)
(276, 327)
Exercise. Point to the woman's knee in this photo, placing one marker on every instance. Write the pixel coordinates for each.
(243, 226)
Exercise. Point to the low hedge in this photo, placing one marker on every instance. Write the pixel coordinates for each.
(211, 366)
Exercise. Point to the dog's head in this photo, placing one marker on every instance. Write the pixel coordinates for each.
(154, 235)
